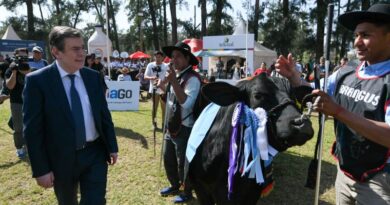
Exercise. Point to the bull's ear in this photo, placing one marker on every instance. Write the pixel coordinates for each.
(221, 93)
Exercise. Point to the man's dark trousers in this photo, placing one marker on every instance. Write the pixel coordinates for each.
(90, 171)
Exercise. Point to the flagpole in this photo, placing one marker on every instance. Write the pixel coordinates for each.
(246, 39)
(327, 64)
(107, 42)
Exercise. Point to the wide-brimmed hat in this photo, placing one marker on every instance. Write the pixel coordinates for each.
(182, 47)
(376, 13)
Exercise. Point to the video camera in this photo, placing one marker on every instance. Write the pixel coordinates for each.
(20, 60)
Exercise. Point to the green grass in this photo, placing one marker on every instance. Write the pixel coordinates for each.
(137, 177)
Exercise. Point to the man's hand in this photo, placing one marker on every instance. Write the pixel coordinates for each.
(286, 67)
(171, 75)
(113, 158)
(46, 181)
(325, 104)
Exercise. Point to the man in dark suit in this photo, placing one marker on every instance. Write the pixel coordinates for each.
(67, 126)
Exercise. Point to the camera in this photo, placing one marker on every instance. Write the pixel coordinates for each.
(20, 60)
(156, 69)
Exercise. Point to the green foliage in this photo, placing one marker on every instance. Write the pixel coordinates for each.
(188, 29)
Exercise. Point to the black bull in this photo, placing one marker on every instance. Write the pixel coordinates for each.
(208, 170)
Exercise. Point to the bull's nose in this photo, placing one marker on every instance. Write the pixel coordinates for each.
(303, 125)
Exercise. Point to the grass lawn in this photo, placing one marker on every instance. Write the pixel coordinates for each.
(137, 177)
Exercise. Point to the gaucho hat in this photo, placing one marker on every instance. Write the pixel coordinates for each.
(183, 48)
(376, 13)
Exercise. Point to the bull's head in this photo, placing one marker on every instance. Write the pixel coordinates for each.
(286, 127)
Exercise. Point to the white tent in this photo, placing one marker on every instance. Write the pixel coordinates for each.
(10, 34)
(260, 52)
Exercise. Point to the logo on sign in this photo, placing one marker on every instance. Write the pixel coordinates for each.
(226, 43)
(98, 52)
(119, 94)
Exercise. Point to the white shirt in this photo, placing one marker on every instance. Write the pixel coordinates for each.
(191, 89)
(90, 128)
(150, 73)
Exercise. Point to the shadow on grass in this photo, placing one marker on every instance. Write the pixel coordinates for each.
(5, 130)
(128, 133)
(13, 163)
(290, 174)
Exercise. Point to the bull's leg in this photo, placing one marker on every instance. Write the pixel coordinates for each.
(201, 194)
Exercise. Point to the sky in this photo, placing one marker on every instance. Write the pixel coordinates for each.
(121, 17)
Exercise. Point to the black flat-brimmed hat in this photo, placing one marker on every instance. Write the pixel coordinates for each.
(376, 13)
(183, 48)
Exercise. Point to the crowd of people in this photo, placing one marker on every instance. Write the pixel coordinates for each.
(72, 150)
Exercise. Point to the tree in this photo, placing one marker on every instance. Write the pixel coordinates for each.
(256, 19)
(255, 13)
(154, 23)
(189, 31)
(11, 5)
(172, 7)
(203, 14)
(320, 14)
(112, 9)
(165, 26)
(219, 14)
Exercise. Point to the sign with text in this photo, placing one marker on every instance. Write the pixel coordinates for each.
(231, 42)
(11, 45)
(123, 95)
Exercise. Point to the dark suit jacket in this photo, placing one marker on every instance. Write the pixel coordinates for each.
(48, 124)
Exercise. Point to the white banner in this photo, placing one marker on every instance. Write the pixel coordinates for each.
(123, 95)
(235, 42)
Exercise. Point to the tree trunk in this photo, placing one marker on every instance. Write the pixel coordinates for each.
(256, 19)
(365, 4)
(218, 16)
(321, 12)
(345, 33)
(203, 14)
(80, 5)
(337, 35)
(58, 12)
(172, 6)
(40, 11)
(99, 13)
(285, 39)
(285, 8)
(30, 19)
(111, 13)
(165, 26)
(154, 23)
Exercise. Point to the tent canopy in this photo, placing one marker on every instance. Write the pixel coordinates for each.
(138, 55)
(10, 34)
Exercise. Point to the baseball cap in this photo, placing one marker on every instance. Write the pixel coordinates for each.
(38, 49)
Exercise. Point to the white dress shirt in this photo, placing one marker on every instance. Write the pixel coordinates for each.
(90, 128)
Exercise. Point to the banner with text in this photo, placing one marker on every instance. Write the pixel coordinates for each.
(123, 95)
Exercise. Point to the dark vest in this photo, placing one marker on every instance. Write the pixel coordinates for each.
(175, 119)
(360, 158)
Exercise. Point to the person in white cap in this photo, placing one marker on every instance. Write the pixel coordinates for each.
(37, 62)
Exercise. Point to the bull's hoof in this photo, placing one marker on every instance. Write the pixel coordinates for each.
(182, 198)
(169, 191)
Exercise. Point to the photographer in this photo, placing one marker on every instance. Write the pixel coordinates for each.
(15, 76)
(154, 71)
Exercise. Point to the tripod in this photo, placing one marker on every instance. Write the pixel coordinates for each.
(154, 112)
